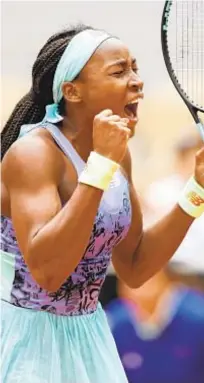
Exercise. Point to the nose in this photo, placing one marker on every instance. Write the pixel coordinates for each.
(136, 84)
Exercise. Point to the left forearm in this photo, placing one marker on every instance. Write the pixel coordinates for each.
(158, 245)
(144, 252)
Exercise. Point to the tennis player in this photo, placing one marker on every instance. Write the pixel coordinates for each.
(68, 204)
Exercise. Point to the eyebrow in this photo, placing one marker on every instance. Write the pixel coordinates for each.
(122, 62)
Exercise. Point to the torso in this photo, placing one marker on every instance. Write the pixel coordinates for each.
(79, 293)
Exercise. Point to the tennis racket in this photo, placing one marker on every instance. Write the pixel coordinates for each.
(182, 38)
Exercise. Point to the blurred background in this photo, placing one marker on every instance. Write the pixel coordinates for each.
(158, 328)
(27, 25)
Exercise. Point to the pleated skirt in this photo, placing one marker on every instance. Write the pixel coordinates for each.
(40, 347)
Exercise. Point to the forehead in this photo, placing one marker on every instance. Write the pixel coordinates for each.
(110, 51)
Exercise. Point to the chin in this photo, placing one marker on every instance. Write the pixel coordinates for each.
(132, 125)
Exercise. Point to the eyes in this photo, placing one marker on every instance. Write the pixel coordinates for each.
(124, 71)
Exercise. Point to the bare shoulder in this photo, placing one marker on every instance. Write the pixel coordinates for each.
(30, 157)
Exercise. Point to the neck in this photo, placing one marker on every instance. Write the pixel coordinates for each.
(78, 131)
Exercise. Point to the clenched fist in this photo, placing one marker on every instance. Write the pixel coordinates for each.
(110, 135)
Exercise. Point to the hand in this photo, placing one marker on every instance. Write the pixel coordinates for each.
(110, 135)
(199, 167)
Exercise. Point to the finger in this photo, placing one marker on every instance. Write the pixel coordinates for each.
(116, 118)
(113, 118)
(120, 125)
(128, 131)
(125, 120)
(117, 124)
(125, 130)
(105, 113)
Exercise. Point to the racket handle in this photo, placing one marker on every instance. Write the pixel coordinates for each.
(200, 128)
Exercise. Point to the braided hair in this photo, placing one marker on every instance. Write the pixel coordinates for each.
(31, 108)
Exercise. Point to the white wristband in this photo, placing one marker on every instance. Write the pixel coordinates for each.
(99, 171)
(192, 198)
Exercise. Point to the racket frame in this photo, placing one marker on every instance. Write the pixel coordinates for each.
(164, 28)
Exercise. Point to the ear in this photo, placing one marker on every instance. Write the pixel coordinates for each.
(71, 92)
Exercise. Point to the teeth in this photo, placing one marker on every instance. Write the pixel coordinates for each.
(133, 102)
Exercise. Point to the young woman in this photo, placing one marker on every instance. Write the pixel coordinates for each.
(68, 203)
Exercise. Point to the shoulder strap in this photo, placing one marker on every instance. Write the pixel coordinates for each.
(61, 140)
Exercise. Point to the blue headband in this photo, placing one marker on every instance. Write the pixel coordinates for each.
(75, 57)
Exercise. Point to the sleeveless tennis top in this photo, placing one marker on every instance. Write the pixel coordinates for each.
(80, 291)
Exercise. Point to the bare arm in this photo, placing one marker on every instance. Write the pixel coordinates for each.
(158, 245)
(143, 253)
(51, 237)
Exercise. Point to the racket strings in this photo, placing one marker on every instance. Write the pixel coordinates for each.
(185, 40)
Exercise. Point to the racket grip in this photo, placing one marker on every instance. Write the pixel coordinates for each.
(200, 128)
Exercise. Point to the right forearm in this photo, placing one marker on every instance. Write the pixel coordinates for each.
(60, 244)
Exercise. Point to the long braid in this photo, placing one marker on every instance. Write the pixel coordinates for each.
(31, 108)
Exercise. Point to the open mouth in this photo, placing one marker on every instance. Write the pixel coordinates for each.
(131, 110)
